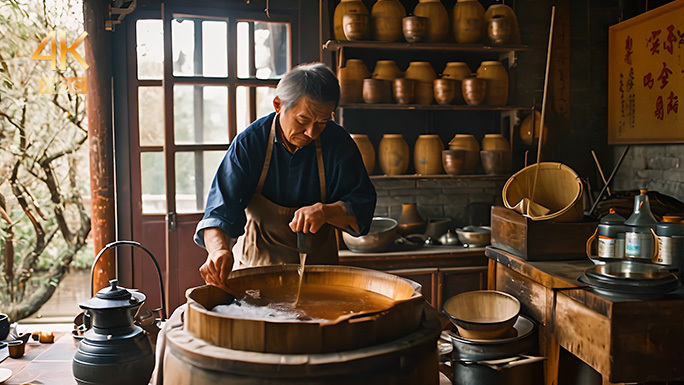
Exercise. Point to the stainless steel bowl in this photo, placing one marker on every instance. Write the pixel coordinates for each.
(474, 236)
(632, 270)
(382, 233)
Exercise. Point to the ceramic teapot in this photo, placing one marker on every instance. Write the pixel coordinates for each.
(115, 349)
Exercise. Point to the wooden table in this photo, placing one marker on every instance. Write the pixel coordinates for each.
(624, 340)
(48, 364)
(443, 271)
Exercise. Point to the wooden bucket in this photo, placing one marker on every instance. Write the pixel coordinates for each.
(345, 333)
(409, 360)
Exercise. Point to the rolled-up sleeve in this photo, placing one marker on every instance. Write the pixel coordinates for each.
(230, 192)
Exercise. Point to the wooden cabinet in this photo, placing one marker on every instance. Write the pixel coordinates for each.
(442, 271)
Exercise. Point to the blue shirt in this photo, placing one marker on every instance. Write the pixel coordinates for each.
(292, 179)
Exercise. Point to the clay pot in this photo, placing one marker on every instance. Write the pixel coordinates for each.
(377, 91)
(355, 26)
(386, 18)
(495, 142)
(367, 151)
(351, 81)
(393, 154)
(386, 70)
(508, 20)
(468, 21)
(410, 221)
(453, 161)
(468, 143)
(499, 30)
(474, 90)
(497, 82)
(532, 138)
(414, 28)
(403, 90)
(444, 90)
(427, 155)
(343, 8)
(438, 19)
(423, 74)
(457, 71)
(496, 162)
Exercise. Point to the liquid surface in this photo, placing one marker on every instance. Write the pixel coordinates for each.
(316, 303)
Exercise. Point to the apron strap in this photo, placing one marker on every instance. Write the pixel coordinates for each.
(321, 169)
(269, 153)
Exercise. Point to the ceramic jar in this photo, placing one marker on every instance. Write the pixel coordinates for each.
(386, 18)
(355, 26)
(468, 21)
(393, 154)
(444, 90)
(438, 19)
(351, 81)
(410, 221)
(474, 90)
(468, 143)
(343, 8)
(403, 90)
(414, 28)
(500, 20)
(497, 82)
(423, 74)
(377, 91)
(367, 151)
(427, 155)
(386, 70)
(456, 71)
(492, 142)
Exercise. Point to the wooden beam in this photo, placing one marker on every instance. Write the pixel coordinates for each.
(100, 136)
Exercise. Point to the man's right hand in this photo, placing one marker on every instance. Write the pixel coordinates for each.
(219, 262)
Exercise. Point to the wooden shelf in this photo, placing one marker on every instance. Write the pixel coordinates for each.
(441, 176)
(332, 45)
(436, 107)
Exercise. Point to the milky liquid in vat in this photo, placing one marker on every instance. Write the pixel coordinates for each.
(316, 303)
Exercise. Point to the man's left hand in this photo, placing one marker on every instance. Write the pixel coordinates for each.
(309, 219)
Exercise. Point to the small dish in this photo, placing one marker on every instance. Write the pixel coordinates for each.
(5, 375)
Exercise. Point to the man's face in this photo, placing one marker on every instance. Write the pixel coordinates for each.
(304, 122)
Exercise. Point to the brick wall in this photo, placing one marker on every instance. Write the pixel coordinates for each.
(653, 167)
(438, 198)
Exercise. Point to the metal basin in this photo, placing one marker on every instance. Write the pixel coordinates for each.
(474, 236)
(632, 270)
(382, 233)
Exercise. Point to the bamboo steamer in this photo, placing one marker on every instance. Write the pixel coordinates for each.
(438, 19)
(495, 142)
(351, 81)
(423, 73)
(558, 188)
(502, 10)
(457, 71)
(386, 70)
(468, 143)
(427, 155)
(386, 18)
(367, 151)
(393, 154)
(468, 21)
(497, 82)
(345, 333)
(343, 8)
(409, 360)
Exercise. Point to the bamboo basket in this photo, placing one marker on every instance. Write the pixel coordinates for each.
(558, 188)
(345, 333)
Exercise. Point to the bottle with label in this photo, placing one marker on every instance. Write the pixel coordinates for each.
(640, 238)
(611, 236)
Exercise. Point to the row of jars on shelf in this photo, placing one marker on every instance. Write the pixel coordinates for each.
(462, 157)
(470, 22)
(420, 85)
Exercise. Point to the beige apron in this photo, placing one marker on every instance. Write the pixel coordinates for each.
(268, 238)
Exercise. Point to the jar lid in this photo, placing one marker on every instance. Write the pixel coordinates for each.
(612, 218)
(114, 297)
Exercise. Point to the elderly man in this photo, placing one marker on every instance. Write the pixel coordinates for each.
(292, 171)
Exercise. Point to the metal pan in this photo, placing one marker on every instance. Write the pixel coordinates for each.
(632, 270)
(477, 350)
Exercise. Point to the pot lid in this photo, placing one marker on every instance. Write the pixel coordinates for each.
(114, 297)
(612, 218)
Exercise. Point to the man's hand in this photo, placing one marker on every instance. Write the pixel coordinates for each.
(219, 262)
(308, 219)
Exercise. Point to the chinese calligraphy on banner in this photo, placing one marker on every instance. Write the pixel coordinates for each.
(646, 77)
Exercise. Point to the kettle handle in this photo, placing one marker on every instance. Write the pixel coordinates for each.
(590, 242)
(154, 260)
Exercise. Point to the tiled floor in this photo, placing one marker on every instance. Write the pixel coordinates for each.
(48, 364)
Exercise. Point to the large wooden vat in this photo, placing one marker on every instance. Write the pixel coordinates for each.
(345, 333)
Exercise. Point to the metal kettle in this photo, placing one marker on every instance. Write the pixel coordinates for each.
(115, 350)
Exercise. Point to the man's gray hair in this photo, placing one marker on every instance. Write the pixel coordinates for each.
(314, 80)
